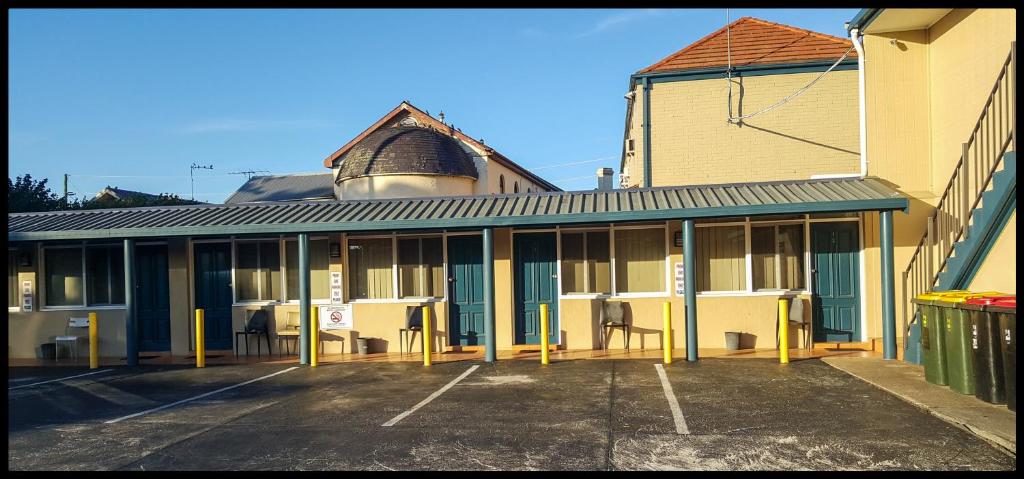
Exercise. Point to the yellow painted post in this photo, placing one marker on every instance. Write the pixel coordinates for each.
(426, 336)
(667, 346)
(314, 337)
(200, 339)
(544, 334)
(94, 342)
(783, 331)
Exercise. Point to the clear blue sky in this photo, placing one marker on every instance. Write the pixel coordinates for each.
(132, 98)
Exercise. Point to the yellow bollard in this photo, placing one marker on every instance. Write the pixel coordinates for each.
(94, 342)
(200, 339)
(783, 331)
(667, 314)
(544, 334)
(314, 336)
(426, 336)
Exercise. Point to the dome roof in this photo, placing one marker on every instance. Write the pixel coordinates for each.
(406, 150)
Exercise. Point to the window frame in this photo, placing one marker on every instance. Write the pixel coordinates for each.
(259, 279)
(615, 293)
(395, 295)
(284, 270)
(16, 308)
(41, 279)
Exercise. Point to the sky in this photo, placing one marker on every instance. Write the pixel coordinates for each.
(132, 98)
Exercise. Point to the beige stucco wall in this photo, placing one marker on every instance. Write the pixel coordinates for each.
(816, 133)
(404, 186)
(998, 271)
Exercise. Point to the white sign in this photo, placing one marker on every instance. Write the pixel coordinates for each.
(336, 278)
(336, 317)
(336, 287)
(680, 275)
(336, 295)
(26, 296)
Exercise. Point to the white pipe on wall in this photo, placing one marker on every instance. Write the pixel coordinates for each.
(855, 38)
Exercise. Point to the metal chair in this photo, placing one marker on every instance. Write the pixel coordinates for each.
(73, 324)
(257, 325)
(413, 323)
(613, 316)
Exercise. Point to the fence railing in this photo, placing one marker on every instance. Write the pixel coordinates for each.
(994, 134)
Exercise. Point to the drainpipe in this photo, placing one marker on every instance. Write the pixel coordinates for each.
(647, 133)
(855, 38)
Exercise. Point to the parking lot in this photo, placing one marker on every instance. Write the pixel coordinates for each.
(719, 414)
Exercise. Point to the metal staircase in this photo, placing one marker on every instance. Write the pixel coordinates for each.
(976, 203)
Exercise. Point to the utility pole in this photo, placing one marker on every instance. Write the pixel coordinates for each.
(191, 176)
(66, 190)
(248, 173)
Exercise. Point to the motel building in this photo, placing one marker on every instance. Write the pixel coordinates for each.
(723, 207)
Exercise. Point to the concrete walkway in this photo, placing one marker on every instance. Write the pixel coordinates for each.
(995, 424)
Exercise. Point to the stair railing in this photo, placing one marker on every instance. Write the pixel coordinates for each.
(994, 134)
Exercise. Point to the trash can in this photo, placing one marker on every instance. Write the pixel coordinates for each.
(933, 342)
(732, 340)
(364, 346)
(1007, 311)
(959, 362)
(986, 350)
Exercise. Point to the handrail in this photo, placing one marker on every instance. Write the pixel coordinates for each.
(993, 135)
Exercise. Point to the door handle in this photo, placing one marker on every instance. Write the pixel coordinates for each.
(451, 280)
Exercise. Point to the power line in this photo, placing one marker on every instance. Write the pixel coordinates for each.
(573, 163)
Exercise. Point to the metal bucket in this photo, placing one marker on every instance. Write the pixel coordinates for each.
(732, 340)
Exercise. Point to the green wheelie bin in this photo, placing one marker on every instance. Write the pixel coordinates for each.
(986, 349)
(933, 341)
(956, 328)
(1007, 311)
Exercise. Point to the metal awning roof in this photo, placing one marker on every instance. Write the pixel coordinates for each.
(524, 209)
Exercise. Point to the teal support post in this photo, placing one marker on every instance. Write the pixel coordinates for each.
(888, 287)
(131, 320)
(647, 133)
(491, 351)
(690, 287)
(304, 301)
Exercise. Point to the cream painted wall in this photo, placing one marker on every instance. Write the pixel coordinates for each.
(404, 186)
(998, 271)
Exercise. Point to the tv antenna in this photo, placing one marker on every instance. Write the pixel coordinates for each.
(191, 176)
(248, 173)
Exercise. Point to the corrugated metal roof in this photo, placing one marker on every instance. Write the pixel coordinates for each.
(524, 209)
(303, 186)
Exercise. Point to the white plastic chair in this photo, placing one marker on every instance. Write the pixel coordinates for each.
(76, 324)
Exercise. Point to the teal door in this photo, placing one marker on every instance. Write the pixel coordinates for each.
(466, 290)
(536, 282)
(835, 266)
(213, 291)
(152, 297)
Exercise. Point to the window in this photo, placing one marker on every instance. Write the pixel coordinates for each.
(777, 253)
(420, 267)
(370, 268)
(319, 275)
(63, 276)
(13, 293)
(105, 273)
(640, 260)
(721, 258)
(257, 270)
(501, 184)
(586, 265)
(515, 187)
(527, 189)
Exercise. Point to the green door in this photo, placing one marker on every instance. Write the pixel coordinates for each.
(213, 291)
(835, 266)
(152, 297)
(536, 282)
(466, 290)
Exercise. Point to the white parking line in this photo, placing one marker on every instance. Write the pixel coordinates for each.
(165, 406)
(431, 397)
(673, 403)
(61, 379)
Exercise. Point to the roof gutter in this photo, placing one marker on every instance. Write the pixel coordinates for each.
(749, 70)
(863, 18)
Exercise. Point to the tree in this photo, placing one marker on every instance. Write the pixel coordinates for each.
(25, 194)
(163, 199)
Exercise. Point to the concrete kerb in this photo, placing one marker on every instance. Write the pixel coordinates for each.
(1003, 444)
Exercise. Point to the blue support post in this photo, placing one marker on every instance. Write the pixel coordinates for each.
(490, 354)
(690, 287)
(888, 286)
(131, 323)
(304, 301)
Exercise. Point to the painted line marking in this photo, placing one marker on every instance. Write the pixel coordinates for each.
(431, 397)
(193, 398)
(60, 379)
(673, 403)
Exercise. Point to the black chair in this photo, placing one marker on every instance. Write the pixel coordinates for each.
(613, 316)
(257, 325)
(413, 323)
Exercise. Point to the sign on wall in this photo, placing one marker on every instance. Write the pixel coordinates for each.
(26, 296)
(336, 287)
(680, 275)
(336, 317)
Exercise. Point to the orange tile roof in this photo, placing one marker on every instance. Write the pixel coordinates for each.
(755, 42)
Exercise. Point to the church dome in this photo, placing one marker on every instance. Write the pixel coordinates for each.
(406, 150)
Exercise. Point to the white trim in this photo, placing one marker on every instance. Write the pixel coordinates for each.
(398, 300)
(863, 282)
(835, 175)
(14, 309)
(241, 304)
(748, 257)
(103, 307)
(774, 292)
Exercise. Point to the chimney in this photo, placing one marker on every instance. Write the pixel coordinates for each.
(604, 179)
